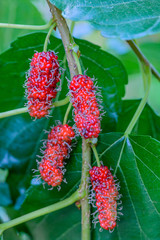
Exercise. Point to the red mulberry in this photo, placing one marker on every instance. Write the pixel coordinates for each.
(106, 196)
(85, 105)
(43, 77)
(57, 148)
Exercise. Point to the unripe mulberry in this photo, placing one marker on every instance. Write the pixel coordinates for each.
(87, 114)
(57, 148)
(42, 80)
(106, 196)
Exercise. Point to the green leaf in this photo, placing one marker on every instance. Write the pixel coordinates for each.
(5, 198)
(21, 137)
(11, 234)
(147, 124)
(11, 12)
(3, 175)
(119, 18)
(136, 163)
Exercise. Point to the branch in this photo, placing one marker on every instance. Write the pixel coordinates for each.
(84, 189)
(66, 38)
(75, 69)
(142, 58)
(52, 208)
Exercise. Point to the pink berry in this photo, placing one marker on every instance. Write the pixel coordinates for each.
(106, 196)
(85, 106)
(41, 83)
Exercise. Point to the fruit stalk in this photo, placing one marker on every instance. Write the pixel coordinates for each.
(25, 109)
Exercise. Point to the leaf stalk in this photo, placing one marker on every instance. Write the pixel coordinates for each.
(147, 75)
(27, 27)
(142, 58)
(38, 213)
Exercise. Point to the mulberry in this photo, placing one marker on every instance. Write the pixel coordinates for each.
(87, 114)
(106, 196)
(57, 148)
(42, 80)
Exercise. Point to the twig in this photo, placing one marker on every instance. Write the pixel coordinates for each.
(66, 38)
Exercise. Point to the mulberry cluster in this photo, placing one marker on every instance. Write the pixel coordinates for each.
(85, 106)
(106, 196)
(57, 148)
(43, 77)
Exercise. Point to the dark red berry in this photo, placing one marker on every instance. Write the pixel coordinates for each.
(57, 149)
(106, 196)
(42, 80)
(87, 114)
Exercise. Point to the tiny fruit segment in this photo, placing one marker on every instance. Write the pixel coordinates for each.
(42, 80)
(106, 196)
(87, 114)
(57, 148)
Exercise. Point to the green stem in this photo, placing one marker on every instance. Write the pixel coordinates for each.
(147, 75)
(72, 27)
(67, 113)
(142, 58)
(52, 208)
(29, 27)
(61, 102)
(84, 189)
(25, 109)
(96, 155)
(77, 62)
(48, 36)
(13, 112)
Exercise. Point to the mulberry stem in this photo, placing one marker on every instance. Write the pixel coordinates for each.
(67, 42)
(84, 190)
(48, 36)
